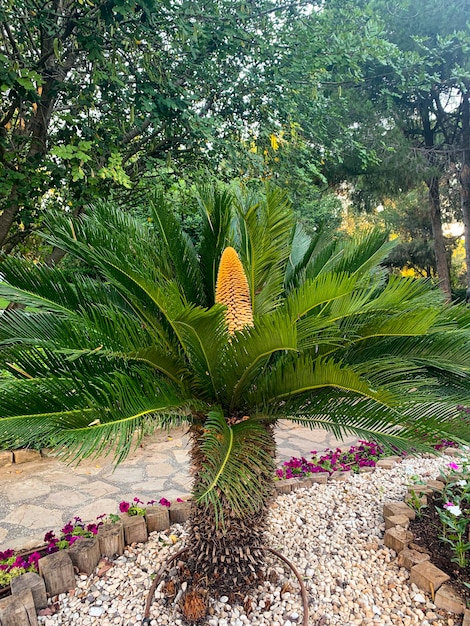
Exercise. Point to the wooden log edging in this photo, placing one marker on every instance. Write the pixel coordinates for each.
(110, 541)
(423, 573)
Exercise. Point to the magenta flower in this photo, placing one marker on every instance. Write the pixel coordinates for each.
(68, 528)
(150, 502)
(124, 506)
(453, 466)
(164, 502)
(179, 500)
(7, 554)
(137, 501)
(49, 536)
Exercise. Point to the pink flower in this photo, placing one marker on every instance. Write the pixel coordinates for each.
(164, 502)
(179, 500)
(124, 506)
(453, 466)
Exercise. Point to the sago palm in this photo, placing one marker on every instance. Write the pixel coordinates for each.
(157, 331)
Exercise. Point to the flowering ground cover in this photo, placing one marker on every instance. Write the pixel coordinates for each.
(364, 454)
(442, 527)
(14, 564)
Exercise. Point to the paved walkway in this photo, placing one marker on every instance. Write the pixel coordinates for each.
(39, 496)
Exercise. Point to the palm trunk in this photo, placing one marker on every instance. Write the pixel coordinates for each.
(227, 558)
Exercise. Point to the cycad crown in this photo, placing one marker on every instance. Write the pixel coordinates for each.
(233, 291)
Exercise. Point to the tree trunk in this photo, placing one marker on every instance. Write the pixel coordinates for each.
(438, 236)
(228, 557)
(435, 204)
(465, 179)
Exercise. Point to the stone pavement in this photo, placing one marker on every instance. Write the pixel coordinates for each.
(43, 495)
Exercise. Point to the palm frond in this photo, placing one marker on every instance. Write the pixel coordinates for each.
(265, 229)
(291, 377)
(88, 417)
(252, 350)
(216, 211)
(178, 251)
(226, 480)
(203, 335)
(316, 292)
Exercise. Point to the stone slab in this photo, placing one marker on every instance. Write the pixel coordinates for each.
(397, 538)
(98, 489)
(92, 510)
(397, 520)
(160, 470)
(72, 498)
(398, 508)
(32, 516)
(409, 558)
(26, 489)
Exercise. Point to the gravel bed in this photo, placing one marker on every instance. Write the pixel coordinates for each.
(333, 533)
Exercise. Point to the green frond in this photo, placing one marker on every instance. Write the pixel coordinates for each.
(412, 323)
(252, 350)
(411, 427)
(203, 335)
(306, 375)
(216, 210)
(310, 256)
(226, 480)
(265, 229)
(364, 252)
(178, 251)
(88, 417)
(317, 292)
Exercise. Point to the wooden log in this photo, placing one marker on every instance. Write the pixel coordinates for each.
(57, 571)
(18, 610)
(283, 486)
(179, 512)
(85, 554)
(34, 582)
(158, 518)
(135, 529)
(111, 539)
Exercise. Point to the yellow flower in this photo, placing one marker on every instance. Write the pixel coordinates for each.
(233, 291)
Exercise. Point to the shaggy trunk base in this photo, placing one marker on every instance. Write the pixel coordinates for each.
(226, 560)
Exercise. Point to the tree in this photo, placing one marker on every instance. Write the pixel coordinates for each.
(159, 333)
(103, 94)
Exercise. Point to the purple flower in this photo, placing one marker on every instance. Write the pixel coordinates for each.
(7, 554)
(68, 528)
(124, 506)
(93, 528)
(49, 536)
(73, 539)
(179, 500)
(164, 502)
(150, 502)
(20, 562)
(77, 520)
(34, 558)
(101, 516)
(137, 501)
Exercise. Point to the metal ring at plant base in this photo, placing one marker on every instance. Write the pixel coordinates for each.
(303, 591)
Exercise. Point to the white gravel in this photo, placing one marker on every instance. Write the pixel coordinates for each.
(334, 535)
